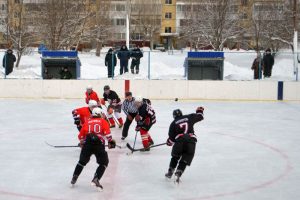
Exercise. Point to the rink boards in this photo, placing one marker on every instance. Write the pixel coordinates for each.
(155, 89)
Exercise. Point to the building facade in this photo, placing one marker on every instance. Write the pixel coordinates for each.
(153, 21)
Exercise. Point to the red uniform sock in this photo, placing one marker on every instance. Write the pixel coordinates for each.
(120, 121)
(111, 121)
(144, 135)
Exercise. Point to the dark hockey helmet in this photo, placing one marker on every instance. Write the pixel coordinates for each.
(106, 87)
(177, 113)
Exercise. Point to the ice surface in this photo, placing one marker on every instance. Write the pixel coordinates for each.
(245, 150)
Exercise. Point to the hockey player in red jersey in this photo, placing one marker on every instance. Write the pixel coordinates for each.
(92, 139)
(81, 115)
(182, 137)
(90, 94)
(145, 119)
(114, 107)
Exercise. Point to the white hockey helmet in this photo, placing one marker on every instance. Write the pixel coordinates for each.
(89, 87)
(97, 112)
(138, 99)
(93, 103)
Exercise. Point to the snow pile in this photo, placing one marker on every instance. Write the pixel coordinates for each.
(163, 65)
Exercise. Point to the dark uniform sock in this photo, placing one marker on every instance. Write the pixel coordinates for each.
(100, 171)
(174, 162)
(78, 169)
(181, 167)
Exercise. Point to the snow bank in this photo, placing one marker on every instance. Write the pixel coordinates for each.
(163, 65)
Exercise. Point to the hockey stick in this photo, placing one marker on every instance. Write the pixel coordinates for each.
(133, 150)
(113, 116)
(133, 142)
(61, 146)
(66, 146)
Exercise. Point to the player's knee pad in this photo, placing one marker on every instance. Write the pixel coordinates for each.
(103, 160)
(82, 163)
(175, 157)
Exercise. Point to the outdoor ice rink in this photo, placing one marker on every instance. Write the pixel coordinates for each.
(245, 151)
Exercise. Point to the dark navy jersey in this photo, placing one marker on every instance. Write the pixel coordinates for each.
(146, 111)
(112, 97)
(184, 125)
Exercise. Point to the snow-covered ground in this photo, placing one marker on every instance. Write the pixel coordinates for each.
(163, 65)
(245, 150)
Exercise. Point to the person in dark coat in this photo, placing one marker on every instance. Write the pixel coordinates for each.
(8, 61)
(124, 56)
(268, 62)
(110, 63)
(255, 66)
(136, 56)
(65, 73)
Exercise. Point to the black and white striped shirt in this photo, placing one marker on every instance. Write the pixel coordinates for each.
(128, 107)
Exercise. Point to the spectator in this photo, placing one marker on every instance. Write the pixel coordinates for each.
(268, 62)
(8, 61)
(110, 63)
(124, 56)
(46, 74)
(136, 56)
(255, 66)
(65, 73)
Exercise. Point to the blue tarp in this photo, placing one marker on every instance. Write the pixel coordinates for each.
(209, 54)
(57, 54)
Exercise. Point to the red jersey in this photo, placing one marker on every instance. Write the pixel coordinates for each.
(92, 96)
(84, 114)
(97, 126)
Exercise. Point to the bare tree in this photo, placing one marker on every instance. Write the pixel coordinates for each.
(101, 26)
(146, 18)
(20, 30)
(63, 22)
(272, 25)
(210, 23)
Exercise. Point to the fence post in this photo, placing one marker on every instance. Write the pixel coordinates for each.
(259, 67)
(5, 63)
(149, 54)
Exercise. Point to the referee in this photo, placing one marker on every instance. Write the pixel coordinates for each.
(130, 110)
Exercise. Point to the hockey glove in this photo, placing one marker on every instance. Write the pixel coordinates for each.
(111, 144)
(137, 118)
(81, 143)
(103, 102)
(139, 125)
(169, 142)
(110, 110)
(200, 110)
(77, 120)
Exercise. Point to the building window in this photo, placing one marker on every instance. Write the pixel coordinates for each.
(168, 1)
(244, 2)
(120, 22)
(168, 15)
(168, 29)
(244, 16)
(3, 7)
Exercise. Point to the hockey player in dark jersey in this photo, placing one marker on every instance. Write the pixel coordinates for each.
(183, 139)
(145, 119)
(114, 107)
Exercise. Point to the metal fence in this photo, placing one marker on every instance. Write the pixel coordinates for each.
(238, 65)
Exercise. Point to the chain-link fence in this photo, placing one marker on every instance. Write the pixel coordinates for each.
(238, 65)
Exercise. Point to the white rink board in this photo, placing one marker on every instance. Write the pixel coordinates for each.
(153, 89)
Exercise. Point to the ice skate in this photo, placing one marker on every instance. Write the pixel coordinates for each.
(74, 179)
(95, 182)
